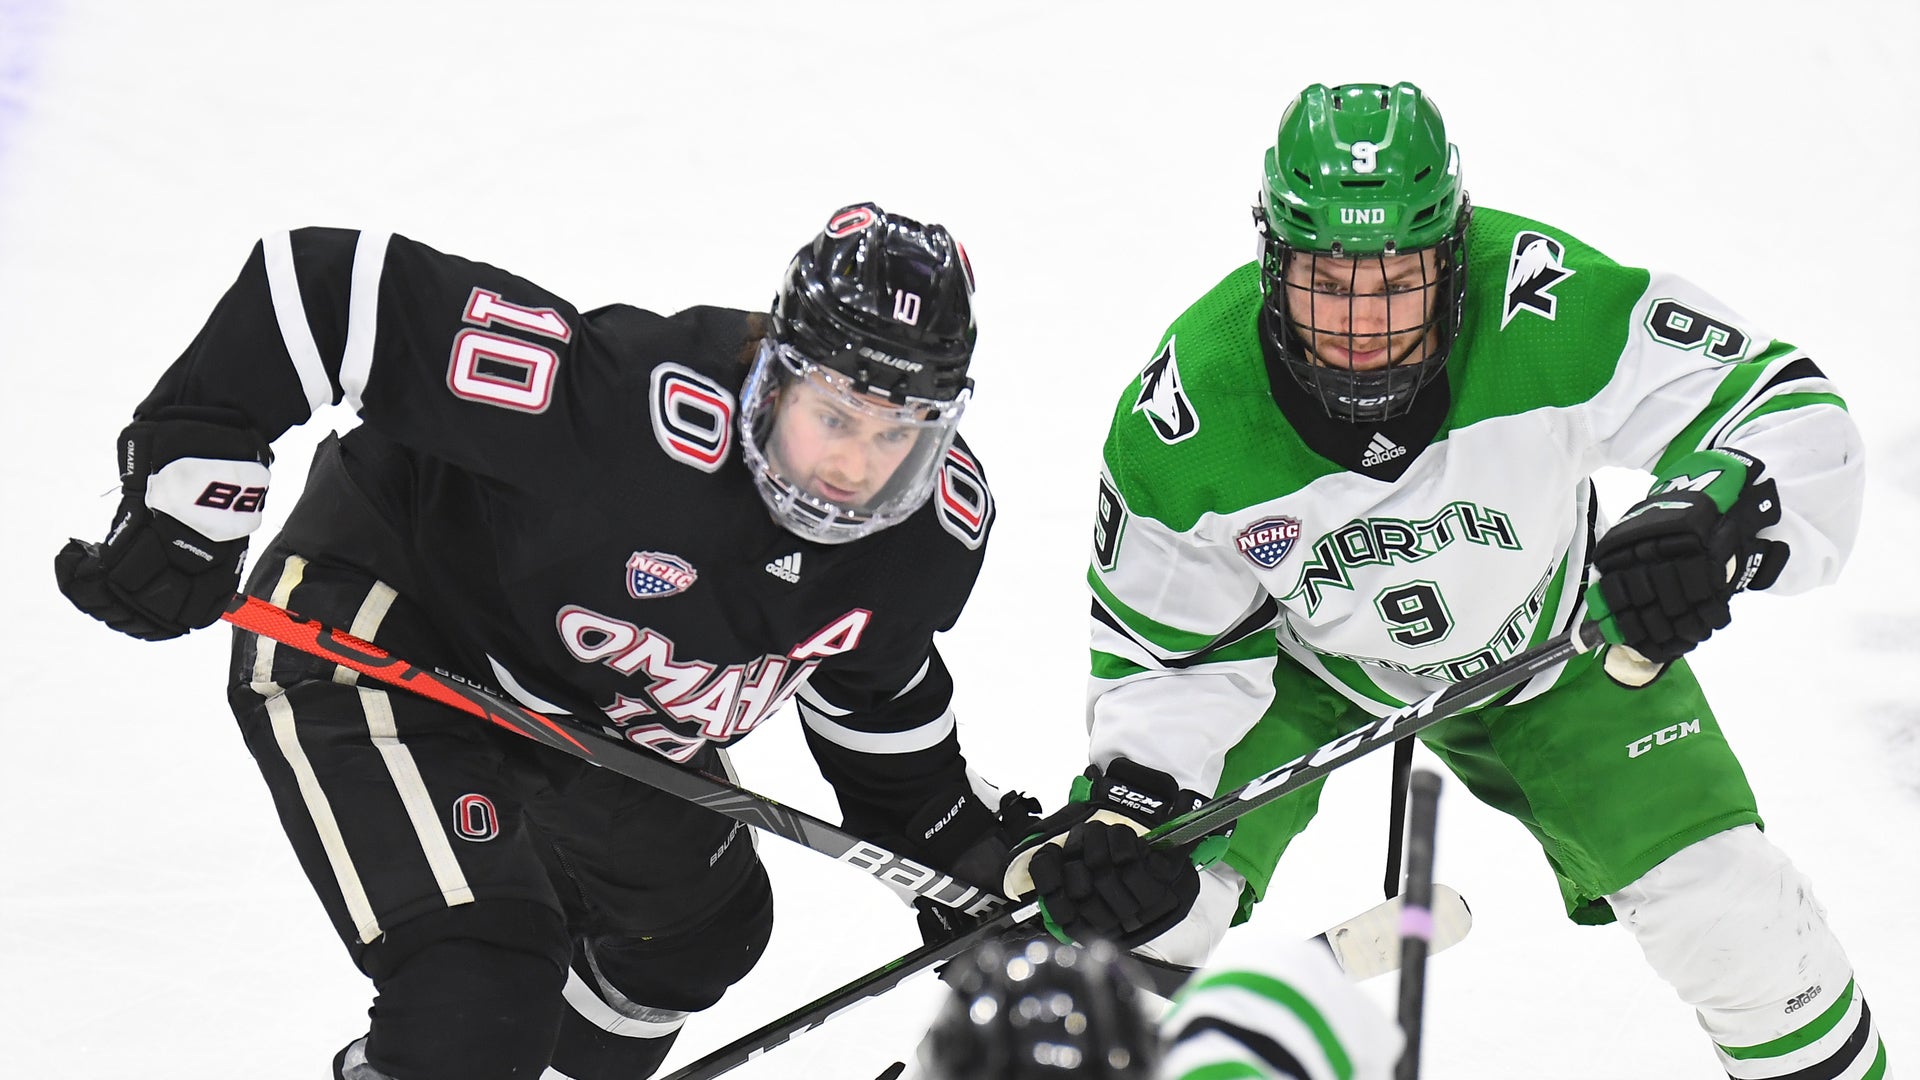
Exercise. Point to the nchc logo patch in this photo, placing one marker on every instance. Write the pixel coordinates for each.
(1267, 541)
(653, 574)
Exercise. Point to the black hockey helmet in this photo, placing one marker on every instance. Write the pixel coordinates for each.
(1041, 1010)
(857, 392)
(884, 300)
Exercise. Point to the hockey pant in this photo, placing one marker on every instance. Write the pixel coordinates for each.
(515, 908)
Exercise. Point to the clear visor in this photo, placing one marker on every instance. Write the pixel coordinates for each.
(833, 463)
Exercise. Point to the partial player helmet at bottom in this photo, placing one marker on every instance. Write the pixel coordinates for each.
(857, 393)
(1362, 219)
(1041, 1010)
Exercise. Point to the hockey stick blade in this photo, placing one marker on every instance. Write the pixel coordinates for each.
(1366, 945)
(1369, 943)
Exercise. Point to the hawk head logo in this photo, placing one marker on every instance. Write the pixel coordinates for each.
(1164, 400)
(1534, 270)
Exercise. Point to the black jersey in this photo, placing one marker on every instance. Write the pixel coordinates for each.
(564, 493)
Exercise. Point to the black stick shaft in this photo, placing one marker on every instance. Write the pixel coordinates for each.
(1211, 816)
(1416, 916)
(872, 984)
(1397, 816)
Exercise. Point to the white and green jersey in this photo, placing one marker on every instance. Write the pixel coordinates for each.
(1391, 558)
(1282, 1010)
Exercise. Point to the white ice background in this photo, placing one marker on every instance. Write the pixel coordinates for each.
(1097, 159)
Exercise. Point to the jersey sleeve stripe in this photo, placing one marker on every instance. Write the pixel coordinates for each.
(820, 705)
(291, 315)
(1796, 378)
(1242, 1052)
(363, 309)
(1161, 638)
(925, 737)
(1266, 1004)
(1801, 368)
(1783, 402)
(1744, 385)
(925, 665)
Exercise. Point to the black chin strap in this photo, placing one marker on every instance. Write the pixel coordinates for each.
(1345, 442)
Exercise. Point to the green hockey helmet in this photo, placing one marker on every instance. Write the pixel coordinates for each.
(1362, 169)
(1360, 177)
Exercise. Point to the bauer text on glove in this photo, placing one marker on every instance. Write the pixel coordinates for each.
(193, 484)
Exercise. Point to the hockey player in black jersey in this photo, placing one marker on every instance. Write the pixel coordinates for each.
(668, 524)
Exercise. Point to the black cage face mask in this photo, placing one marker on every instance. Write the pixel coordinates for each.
(1363, 333)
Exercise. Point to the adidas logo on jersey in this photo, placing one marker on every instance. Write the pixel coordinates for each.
(786, 568)
(1381, 450)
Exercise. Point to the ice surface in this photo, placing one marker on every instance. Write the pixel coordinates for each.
(1097, 159)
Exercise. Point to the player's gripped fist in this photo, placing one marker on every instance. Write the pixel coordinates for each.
(193, 483)
(962, 832)
(1091, 868)
(1669, 567)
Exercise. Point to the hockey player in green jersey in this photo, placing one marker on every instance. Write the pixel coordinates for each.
(1359, 469)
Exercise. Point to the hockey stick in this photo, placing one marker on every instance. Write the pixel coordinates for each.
(611, 752)
(1397, 815)
(1207, 818)
(1358, 944)
(1219, 812)
(1416, 917)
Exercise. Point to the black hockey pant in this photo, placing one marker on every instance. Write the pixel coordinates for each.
(513, 906)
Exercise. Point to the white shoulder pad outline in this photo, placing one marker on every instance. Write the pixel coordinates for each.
(692, 416)
(963, 500)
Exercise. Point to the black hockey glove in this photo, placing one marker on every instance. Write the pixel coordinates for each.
(193, 482)
(1091, 868)
(1670, 566)
(959, 834)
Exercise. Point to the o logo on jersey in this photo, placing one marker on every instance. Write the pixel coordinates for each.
(475, 819)
(692, 417)
(965, 504)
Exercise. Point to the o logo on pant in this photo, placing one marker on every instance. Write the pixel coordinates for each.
(475, 819)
